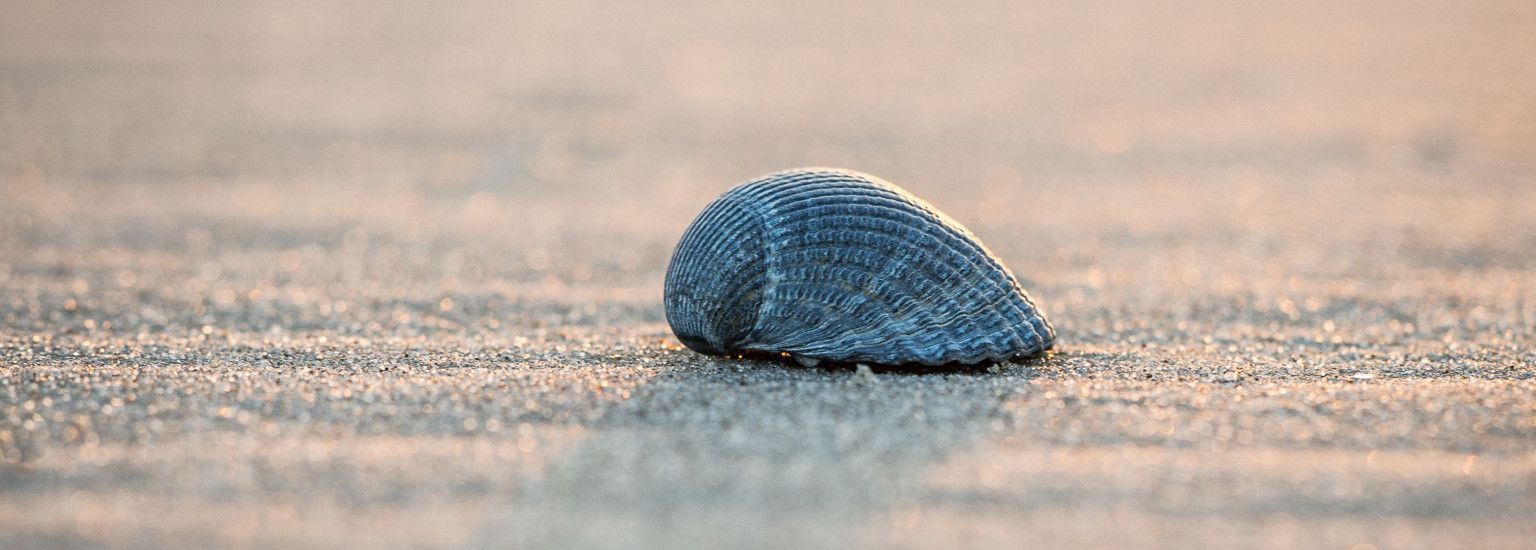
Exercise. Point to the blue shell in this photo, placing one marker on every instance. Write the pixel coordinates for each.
(837, 265)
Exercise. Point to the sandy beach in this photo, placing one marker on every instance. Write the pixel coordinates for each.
(359, 274)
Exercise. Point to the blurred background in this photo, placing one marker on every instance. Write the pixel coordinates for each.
(519, 130)
(436, 117)
(1299, 194)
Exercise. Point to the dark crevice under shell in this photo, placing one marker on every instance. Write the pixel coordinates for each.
(842, 266)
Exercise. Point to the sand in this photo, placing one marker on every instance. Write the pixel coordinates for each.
(389, 275)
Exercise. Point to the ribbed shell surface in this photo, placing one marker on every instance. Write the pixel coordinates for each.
(843, 266)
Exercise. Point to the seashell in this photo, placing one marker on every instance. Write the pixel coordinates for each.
(836, 265)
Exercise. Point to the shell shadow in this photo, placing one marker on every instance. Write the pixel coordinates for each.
(985, 368)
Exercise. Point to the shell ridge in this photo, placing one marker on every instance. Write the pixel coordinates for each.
(828, 313)
(996, 276)
(768, 280)
(999, 278)
(1041, 338)
(691, 291)
(956, 320)
(677, 271)
(978, 251)
(772, 308)
(872, 307)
